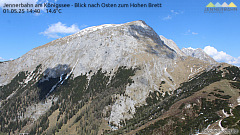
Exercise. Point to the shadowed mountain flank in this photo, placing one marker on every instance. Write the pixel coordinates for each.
(52, 77)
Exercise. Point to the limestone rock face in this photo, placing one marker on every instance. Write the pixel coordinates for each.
(106, 46)
(170, 43)
(109, 46)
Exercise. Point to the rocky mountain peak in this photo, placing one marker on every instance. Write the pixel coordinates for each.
(170, 43)
(130, 61)
(198, 53)
(106, 46)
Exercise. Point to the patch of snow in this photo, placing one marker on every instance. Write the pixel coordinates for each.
(226, 115)
(29, 77)
(11, 95)
(95, 28)
(69, 73)
(208, 126)
(194, 72)
(219, 124)
(53, 88)
(113, 127)
(221, 128)
(188, 106)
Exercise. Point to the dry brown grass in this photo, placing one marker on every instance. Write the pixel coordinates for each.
(174, 110)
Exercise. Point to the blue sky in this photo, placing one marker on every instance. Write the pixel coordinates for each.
(182, 21)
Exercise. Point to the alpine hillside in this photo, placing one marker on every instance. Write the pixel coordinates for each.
(117, 79)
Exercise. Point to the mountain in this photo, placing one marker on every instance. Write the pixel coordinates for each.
(198, 53)
(115, 79)
(170, 43)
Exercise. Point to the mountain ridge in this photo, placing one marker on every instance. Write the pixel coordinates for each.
(133, 44)
(198, 53)
(110, 70)
(30, 57)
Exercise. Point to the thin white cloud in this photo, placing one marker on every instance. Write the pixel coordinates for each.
(172, 14)
(194, 33)
(221, 56)
(54, 30)
(167, 17)
(83, 26)
(189, 32)
(2, 59)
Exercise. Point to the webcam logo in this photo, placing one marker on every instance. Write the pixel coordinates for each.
(220, 8)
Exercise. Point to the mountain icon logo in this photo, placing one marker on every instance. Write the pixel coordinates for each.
(218, 4)
(232, 5)
(220, 8)
(210, 5)
(223, 5)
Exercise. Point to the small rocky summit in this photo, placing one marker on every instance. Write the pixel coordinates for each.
(198, 53)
